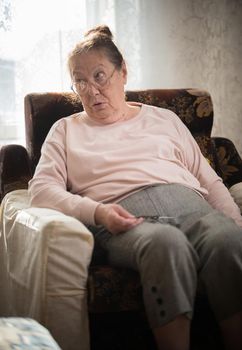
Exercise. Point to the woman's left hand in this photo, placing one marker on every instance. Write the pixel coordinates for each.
(115, 218)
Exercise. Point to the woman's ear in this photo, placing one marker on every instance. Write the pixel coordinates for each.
(124, 72)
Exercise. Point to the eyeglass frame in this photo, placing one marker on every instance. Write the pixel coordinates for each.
(172, 220)
(98, 86)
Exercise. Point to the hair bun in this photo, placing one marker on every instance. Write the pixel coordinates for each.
(101, 30)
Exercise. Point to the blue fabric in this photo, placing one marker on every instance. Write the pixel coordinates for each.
(17, 333)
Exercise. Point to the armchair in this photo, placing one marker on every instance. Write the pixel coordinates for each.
(41, 249)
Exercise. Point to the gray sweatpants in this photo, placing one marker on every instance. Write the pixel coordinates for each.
(200, 246)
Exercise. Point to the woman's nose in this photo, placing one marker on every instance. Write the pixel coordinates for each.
(92, 89)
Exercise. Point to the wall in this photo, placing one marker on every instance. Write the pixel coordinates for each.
(208, 42)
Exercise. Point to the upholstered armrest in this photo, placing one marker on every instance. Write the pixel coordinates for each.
(45, 257)
(15, 170)
(229, 162)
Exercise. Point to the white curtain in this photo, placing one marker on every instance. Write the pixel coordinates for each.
(35, 38)
(136, 25)
(123, 18)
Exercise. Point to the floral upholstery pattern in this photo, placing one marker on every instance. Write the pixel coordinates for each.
(229, 160)
(111, 290)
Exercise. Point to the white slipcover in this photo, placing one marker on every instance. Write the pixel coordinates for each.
(44, 259)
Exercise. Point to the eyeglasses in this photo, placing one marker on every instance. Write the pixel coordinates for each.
(100, 80)
(161, 219)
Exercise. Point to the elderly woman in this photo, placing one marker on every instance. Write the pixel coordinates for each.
(134, 174)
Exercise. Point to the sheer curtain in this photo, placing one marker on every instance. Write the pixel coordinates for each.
(35, 38)
(137, 26)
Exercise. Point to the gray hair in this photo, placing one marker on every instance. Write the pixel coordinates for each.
(101, 39)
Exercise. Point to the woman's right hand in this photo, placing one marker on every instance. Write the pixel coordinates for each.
(115, 218)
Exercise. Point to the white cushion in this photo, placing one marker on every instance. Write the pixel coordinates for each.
(44, 260)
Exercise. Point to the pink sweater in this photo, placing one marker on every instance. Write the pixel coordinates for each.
(83, 163)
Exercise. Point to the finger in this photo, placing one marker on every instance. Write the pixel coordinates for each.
(124, 224)
(123, 212)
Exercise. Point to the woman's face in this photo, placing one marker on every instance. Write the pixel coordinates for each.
(103, 103)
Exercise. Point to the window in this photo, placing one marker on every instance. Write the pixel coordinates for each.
(35, 38)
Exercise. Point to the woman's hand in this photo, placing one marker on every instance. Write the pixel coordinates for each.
(115, 218)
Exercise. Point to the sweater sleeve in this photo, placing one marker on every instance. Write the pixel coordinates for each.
(217, 195)
(48, 188)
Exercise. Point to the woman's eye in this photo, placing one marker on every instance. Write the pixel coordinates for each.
(79, 81)
(82, 84)
(100, 77)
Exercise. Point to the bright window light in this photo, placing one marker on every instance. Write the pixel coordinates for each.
(35, 39)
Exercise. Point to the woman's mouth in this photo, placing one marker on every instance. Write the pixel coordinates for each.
(99, 105)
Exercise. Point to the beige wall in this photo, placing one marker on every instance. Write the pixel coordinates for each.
(207, 39)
